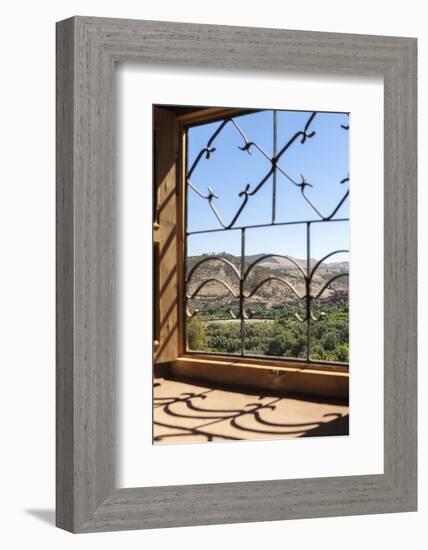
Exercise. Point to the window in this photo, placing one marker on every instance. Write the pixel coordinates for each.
(266, 259)
(251, 237)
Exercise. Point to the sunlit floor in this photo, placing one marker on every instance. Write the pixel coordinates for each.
(187, 413)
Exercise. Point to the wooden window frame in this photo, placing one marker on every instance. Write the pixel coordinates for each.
(321, 379)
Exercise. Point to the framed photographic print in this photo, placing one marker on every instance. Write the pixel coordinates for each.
(236, 274)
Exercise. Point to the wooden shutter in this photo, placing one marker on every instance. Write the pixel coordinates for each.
(165, 232)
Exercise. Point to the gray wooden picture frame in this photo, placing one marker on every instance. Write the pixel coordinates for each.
(87, 50)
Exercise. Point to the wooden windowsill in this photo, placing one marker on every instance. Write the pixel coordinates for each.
(299, 378)
(261, 361)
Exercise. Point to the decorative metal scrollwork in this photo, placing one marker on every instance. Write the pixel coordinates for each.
(247, 192)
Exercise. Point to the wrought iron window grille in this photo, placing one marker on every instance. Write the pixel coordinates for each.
(306, 298)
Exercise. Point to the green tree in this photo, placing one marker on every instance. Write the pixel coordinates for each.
(196, 335)
(329, 341)
(342, 352)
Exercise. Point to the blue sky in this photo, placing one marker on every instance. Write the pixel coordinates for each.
(323, 160)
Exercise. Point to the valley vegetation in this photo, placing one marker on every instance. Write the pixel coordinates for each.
(271, 327)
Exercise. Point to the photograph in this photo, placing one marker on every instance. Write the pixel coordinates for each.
(251, 256)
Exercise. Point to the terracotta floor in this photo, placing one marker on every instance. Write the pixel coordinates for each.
(187, 413)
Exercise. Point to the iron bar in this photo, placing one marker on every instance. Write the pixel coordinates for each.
(262, 225)
(308, 291)
(241, 292)
(185, 307)
(275, 151)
